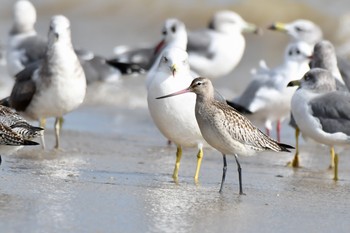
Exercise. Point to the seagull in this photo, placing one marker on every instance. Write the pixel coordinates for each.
(25, 46)
(15, 131)
(225, 129)
(320, 111)
(174, 36)
(267, 96)
(53, 86)
(300, 30)
(175, 117)
(214, 51)
(323, 57)
(311, 33)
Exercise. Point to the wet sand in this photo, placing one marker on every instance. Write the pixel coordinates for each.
(114, 175)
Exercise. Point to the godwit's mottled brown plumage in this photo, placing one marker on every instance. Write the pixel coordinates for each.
(225, 129)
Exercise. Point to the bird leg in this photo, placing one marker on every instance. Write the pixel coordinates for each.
(199, 162)
(42, 124)
(239, 176)
(0, 160)
(295, 162)
(58, 125)
(336, 161)
(177, 163)
(332, 158)
(279, 131)
(267, 131)
(223, 173)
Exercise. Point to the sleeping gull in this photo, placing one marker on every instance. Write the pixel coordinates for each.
(175, 117)
(225, 129)
(267, 96)
(15, 131)
(54, 86)
(321, 112)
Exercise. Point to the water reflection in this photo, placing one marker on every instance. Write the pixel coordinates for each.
(175, 208)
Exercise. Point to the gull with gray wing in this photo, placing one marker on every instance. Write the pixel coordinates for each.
(267, 96)
(320, 111)
(53, 86)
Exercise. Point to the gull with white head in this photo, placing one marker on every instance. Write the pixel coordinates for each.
(215, 51)
(267, 96)
(53, 86)
(175, 117)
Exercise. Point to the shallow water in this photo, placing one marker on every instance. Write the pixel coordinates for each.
(114, 171)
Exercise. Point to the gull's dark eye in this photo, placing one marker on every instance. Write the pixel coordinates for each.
(299, 29)
(165, 59)
(51, 27)
(164, 32)
(290, 52)
(173, 29)
(307, 77)
(297, 51)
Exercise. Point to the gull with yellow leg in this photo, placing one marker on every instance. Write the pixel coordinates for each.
(321, 112)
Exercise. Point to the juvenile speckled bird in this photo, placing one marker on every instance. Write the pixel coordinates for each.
(225, 129)
(15, 132)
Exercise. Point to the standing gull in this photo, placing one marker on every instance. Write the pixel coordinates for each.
(25, 46)
(323, 57)
(54, 86)
(225, 129)
(321, 112)
(267, 96)
(175, 117)
(15, 132)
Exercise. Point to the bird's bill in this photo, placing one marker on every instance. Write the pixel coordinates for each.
(176, 93)
(159, 47)
(278, 27)
(173, 69)
(294, 83)
(252, 28)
